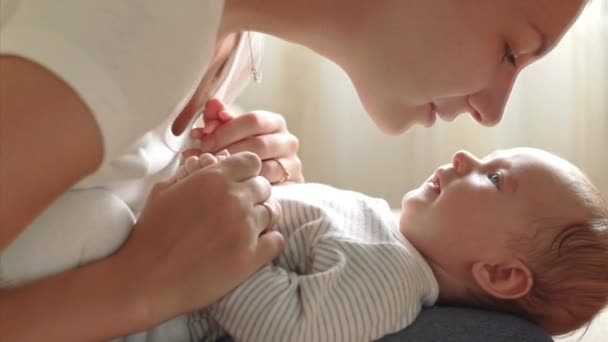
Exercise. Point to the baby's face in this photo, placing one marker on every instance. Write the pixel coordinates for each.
(473, 209)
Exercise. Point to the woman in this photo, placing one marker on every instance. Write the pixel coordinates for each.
(119, 84)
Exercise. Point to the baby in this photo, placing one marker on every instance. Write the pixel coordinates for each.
(520, 231)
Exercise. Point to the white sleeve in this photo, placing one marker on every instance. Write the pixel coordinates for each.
(81, 226)
(134, 63)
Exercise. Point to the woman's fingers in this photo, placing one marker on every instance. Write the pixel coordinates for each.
(276, 170)
(279, 155)
(281, 170)
(209, 127)
(260, 132)
(217, 220)
(277, 145)
(268, 215)
(244, 126)
(256, 190)
(241, 166)
(270, 245)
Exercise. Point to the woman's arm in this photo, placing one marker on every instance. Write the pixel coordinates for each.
(49, 141)
(41, 158)
(92, 303)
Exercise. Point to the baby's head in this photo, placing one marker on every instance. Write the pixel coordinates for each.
(521, 231)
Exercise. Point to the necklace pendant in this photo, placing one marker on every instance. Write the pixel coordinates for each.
(257, 77)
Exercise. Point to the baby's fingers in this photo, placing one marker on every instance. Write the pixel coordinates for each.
(206, 159)
(191, 152)
(193, 163)
(222, 154)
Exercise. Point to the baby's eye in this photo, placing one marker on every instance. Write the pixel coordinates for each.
(509, 56)
(495, 178)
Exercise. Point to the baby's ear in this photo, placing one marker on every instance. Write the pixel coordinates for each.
(510, 280)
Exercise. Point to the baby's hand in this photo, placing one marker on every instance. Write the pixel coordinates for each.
(261, 132)
(193, 163)
(214, 115)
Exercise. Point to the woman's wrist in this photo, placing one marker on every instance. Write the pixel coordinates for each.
(131, 302)
(137, 287)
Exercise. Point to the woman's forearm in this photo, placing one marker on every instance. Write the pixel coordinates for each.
(91, 303)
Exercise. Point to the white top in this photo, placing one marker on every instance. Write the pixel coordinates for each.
(347, 274)
(135, 64)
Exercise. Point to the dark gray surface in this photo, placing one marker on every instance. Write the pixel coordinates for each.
(455, 324)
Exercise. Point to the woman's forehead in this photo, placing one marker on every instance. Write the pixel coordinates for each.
(552, 18)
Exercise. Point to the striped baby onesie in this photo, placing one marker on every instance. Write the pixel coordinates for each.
(347, 274)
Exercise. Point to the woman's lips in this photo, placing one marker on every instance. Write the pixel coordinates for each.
(476, 115)
(431, 115)
(435, 185)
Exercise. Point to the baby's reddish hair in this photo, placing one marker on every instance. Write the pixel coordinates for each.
(570, 274)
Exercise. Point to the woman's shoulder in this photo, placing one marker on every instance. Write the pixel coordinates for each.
(133, 63)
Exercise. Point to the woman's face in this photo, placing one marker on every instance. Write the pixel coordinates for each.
(415, 60)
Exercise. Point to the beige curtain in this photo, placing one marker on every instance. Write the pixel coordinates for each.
(559, 104)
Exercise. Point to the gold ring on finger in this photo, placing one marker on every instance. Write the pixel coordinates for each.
(286, 175)
(273, 215)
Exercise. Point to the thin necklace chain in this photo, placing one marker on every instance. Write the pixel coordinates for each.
(257, 76)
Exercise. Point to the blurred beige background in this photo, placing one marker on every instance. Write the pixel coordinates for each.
(559, 104)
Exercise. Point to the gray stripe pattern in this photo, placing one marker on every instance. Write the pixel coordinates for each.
(347, 274)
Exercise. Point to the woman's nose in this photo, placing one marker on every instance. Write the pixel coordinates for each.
(489, 114)
(463, 162)
(487, 106)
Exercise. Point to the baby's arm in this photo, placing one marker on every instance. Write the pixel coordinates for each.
(278, 305)
(337, 298)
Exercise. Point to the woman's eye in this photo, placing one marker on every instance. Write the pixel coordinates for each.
(509, 56)
(495, 179)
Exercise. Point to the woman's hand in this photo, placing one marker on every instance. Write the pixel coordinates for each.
(261, 132)
(200, 235)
